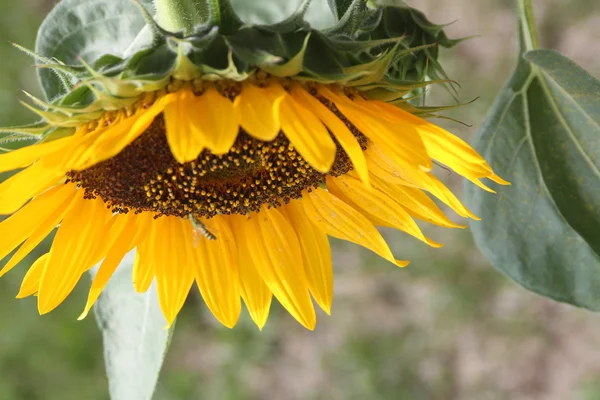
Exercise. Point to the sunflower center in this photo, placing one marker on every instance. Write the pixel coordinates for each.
(146, 177)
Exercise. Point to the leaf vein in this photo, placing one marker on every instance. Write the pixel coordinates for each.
(63, 39)
(541, 175)
(567, 127)
(518, 149)
(507, 105)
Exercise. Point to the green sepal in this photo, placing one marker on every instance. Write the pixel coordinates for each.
(340, 7)
(35, 129)
(351, 15)
(229, 22)
(57, 133)
(402, 87)
(30, 134)
(294, 66)
(427, 111)
(388, 46)
(183, 69)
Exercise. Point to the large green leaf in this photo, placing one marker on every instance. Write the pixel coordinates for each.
(543, 135)
(85, 29)
(134, 336)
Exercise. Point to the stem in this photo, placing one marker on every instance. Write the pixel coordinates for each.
(215, 11)
(527, 24)
(171, 15)
(183, 15)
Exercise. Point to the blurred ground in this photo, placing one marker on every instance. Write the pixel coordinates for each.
(447, 327)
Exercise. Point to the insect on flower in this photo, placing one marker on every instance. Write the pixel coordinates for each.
(200, 229)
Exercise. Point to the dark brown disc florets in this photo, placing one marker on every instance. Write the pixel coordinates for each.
(146, 177)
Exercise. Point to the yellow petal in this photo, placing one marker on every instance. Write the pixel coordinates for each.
(441, 144)
(308, 135)
(473, 176)
(396, 170)
(403, 143)
(215, 121)
(116, 137)
(258, 109)
(19, 188)
(173, 264)
(419, 179)
(143, 266)
(338, 219)
(405, 132)
(31, 281)
(217, 274)
(26, 155)
(416, 202)
(34, 221)
(276, 252)
(316, 256)
(71, 252)
(337, 127)
(383, 167)
(184, 144)
(16, 228)
(256, 294)
(74, 157)
(439, 190)
(125, 233)
(377, 204)
(498, 180)
(379, 163)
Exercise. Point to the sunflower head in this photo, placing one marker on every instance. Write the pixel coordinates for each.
(227, 153)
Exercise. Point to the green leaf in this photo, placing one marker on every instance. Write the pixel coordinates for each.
(264, 11)
(85, 29)
(261, 12)
(294, 22)
(542, 135)
(134, 335)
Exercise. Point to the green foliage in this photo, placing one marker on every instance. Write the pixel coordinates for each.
(78, 30)
(93, 60)
(542, 135)
(443, 305)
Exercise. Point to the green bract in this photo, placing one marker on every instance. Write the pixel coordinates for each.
(385, 50)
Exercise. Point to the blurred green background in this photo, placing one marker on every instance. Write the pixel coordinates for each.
(449, 326)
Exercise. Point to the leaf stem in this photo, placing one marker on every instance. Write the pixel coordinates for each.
(527, 24)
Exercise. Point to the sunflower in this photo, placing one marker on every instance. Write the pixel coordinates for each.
(231, 178)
